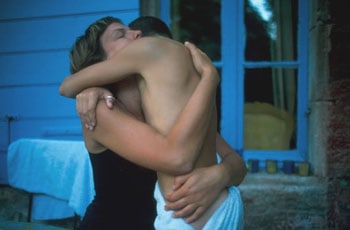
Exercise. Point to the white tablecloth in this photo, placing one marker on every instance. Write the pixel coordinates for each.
(58, 172)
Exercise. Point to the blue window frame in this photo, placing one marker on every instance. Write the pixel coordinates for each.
(234, 66)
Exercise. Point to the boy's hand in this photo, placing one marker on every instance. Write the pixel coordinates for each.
(194, 193)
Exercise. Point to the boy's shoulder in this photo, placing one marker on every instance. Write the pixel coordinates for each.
(157, 41)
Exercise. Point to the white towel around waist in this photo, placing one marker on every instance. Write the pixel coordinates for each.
(228, 216)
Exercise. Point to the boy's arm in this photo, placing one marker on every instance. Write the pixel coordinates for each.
(195, 192)
(233, 165)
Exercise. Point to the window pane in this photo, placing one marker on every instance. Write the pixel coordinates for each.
(271, 28)
(198, 23)
(270, 108)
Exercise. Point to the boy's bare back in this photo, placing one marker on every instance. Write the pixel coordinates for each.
(168, 81)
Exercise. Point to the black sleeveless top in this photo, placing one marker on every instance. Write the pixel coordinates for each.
(124, 195)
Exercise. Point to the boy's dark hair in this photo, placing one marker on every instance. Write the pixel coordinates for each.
(150, 26)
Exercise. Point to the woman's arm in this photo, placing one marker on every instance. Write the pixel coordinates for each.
(100, 74)
(175, 152)
(130, 60)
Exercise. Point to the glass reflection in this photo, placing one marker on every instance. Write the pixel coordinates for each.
(270, 108)
(271, 30)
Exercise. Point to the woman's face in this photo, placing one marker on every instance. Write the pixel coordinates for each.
(116, 37)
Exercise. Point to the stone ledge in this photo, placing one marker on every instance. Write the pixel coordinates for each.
(268, 187)
(286, 201)
(281, 180)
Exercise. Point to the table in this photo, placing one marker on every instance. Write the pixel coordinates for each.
(57, 172)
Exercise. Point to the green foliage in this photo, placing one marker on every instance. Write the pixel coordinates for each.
(200, 23)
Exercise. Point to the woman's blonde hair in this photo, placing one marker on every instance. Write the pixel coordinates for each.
(87, 49)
